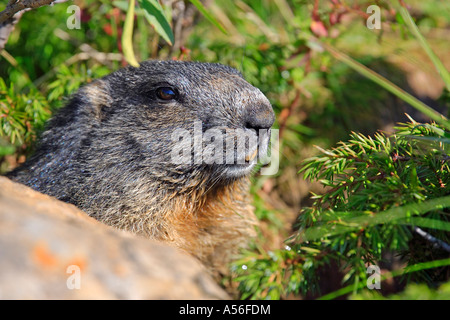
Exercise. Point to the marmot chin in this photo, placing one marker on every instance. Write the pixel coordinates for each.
(108, 151)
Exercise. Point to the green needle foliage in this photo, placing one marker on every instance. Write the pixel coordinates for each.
(383, 196)
(326, 75)
(377, 191)
(21, 114)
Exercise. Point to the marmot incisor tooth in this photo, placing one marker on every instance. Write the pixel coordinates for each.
(108, 152)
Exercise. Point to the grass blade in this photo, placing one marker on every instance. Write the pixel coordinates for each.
(393, 215)
(127, 36)
(155, 16)
(208, 15)
(388, 85)
(445, 75)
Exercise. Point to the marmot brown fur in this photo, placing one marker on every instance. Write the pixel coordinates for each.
(108, 151)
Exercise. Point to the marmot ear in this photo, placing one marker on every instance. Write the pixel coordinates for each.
(96, 97)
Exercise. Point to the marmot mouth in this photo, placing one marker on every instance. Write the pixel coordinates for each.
(239, 170)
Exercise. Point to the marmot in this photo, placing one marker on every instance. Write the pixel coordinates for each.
(108, 151)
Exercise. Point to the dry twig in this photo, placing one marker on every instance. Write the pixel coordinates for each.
(12, 14)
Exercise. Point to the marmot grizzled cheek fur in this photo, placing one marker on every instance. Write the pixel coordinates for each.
(108, 151)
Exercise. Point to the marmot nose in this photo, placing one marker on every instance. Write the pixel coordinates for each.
(259, 116)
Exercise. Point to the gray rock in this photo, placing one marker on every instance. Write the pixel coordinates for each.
(51, 250)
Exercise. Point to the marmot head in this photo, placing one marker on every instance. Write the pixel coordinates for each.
(190, 121)
(181, 123)
(161, 150)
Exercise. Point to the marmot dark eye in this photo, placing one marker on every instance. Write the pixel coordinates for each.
(166, 93)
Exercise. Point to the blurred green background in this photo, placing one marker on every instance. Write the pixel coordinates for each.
(318, 99)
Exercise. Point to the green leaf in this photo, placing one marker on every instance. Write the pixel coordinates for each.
(208, 15)
(154, 14)
(127, 36)
(429, 223)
